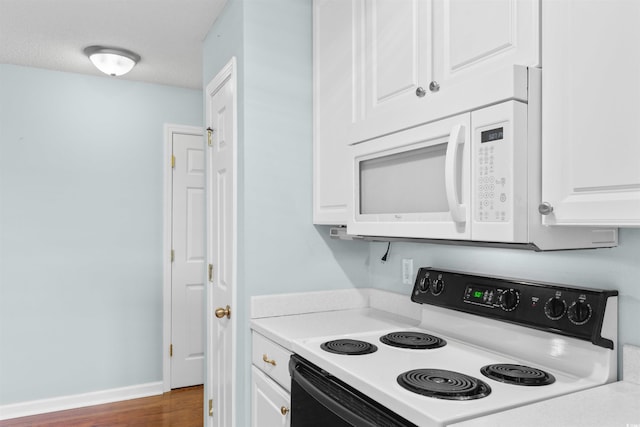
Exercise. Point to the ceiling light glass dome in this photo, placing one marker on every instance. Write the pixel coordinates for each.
(112, 61)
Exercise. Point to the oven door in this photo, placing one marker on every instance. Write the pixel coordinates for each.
(413, 183)
(320, 400)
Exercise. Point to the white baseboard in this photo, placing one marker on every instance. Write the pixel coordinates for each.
(34, 407)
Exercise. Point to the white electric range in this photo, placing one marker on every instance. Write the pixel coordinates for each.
(483, 345)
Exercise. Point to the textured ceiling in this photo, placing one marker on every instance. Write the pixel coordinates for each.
(167, 34)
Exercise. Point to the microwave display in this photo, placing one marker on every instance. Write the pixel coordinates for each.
(491, 135)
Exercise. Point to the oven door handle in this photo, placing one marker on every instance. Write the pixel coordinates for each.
(328, 402)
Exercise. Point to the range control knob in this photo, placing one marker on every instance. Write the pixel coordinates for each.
(509, 299)
(555, 308)
(579, 313)
(423, 285)
(437, 286)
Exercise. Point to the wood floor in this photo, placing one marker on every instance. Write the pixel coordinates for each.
(178, 408)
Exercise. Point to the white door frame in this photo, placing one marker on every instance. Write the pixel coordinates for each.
(169, 131)
(228, 74)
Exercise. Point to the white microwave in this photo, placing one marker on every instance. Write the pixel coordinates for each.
(472, 177)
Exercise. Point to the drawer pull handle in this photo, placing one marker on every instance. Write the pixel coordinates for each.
(284, 410)
(269, 361)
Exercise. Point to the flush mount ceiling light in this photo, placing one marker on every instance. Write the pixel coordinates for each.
(112, 61)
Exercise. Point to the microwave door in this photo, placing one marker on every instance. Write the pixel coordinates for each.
(413, 183)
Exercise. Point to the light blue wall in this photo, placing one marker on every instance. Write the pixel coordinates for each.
(81, 230)
(282, 244)
(615, 268)
(279, 249)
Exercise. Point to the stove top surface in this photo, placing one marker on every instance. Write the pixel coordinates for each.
(377, 375)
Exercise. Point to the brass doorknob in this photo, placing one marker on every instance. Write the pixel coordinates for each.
(284, 410)
(222, 312)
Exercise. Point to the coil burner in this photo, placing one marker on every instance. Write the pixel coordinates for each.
(517, 374)
(349, 347)
(443, 384)
(413, 340)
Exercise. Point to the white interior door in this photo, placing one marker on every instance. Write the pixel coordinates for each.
(221, 247)
(187, 281)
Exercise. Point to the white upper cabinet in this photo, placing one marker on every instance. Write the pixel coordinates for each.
(421, 60)
(334, 32)
(476, 41)
(380, 66)
(591, 112)
(396, 59)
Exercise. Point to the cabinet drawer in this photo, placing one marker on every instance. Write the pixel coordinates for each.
(271, 359)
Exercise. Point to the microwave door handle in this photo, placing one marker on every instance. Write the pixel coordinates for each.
(456, 139)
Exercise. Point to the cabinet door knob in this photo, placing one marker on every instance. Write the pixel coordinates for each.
(284, 410)
(420, 92)
(266, 359)
(545, 208)
(434, 86)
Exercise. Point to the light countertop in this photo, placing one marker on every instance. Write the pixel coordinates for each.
(285, 318)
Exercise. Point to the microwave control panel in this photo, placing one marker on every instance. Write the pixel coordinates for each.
(499, 173)
(493, 181)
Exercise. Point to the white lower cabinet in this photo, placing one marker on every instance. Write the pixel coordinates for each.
(270, 403)
(270, 383)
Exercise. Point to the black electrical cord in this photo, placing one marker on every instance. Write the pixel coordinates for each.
(386, 254)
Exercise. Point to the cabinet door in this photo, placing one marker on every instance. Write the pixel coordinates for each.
(428, 59)
(269, 402)
(477, 43)
(590, 112)
(395, 51)
(334, 31)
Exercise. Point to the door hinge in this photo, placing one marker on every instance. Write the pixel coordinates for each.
(170, 350)
(173, 255)
(211, 407)
(209, 135)
(211, 272)
(173, 161)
